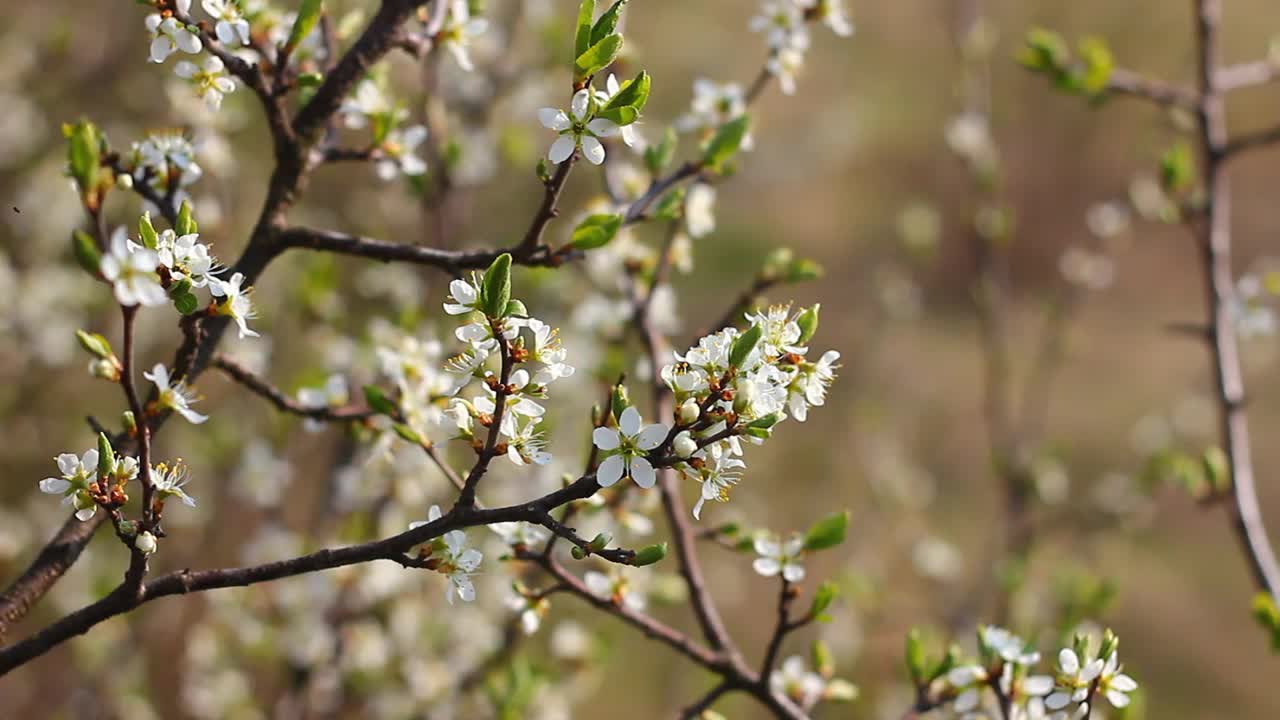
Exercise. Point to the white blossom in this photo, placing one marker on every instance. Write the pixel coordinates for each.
(777, 556)
(131, 270)
(795, 680)
(398, 153)
(577, 130)
(73, 484)
(168, 482)
(170, 36)
(174, 396)
(628, 446)
(234, 302)
(209, 79)
(231, 27)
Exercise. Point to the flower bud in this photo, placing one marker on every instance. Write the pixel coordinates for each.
(746, 396)
(689, 412)
(124, 181)
(684, 445)
(146, 543)
(105, 370)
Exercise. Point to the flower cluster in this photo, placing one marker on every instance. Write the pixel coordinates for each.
(510, 356)
(1003, 673)
(450, 556)
(785, 26)
(734, 385)
(170, 33)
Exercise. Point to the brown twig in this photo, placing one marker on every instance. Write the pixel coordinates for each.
(285, 403)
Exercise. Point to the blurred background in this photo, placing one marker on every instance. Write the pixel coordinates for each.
(866, 169)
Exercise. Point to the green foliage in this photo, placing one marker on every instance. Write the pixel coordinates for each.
(147, 232)
(379, 402)
(828, 532)
(625, 106)
(650, 555)
(607, 23)
(1178, 168)
(95, 344)
(495, 290)
(582, 37)
(1268, 616)
(86, 251)
(308, 15)
(596, 231)
(1086, 73)
(726, 142)
(84, 155)
(659, 155)
(597, 57)
(106, 456)
(808, 322)
(825, 595)
(743, 345)
(185, 224)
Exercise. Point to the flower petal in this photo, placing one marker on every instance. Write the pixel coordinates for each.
(610, 471)
(606, 438)
(642, 472)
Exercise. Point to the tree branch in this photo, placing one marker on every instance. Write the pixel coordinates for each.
(285, 403)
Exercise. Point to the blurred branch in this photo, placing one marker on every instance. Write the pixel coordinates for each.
(1213, 232)
(1127, 82)
(283, 402)
(1247, 75)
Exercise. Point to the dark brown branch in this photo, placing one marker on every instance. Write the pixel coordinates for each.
(786, 596)
(451, 261)
(1262, 138)
(283, 402)
(467, 497)
(124, 598)
(705, 702)
(547, 211)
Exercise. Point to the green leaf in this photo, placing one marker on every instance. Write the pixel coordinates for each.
(841, 691)
(95, 344)
(1098, 65)
(1044, 51)
(86, 251)
(808, 322)
(743, 345)
(625, 106)
(803, 270)
(659, 155)
(620, 400)
(495, 290)
(106, 456)
(578, 553)
(670, 206)
(186, 303)
(1268, 616)
(310, 80)
(823, 660)
(596, 231)
(186, 224)
(1177, 167)
(582, 38)
(599, 542)
(766, 422)
(515, 308)
(379, 402)
(84, 146)
(308, 15)
(822, 599)
(607, 22)
(650, 555)
(597, 57)
(181, 287)
(726, 142)
(407, 433)
(914, 656)
(827, 532)
(1217, 468)
(147, 231)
